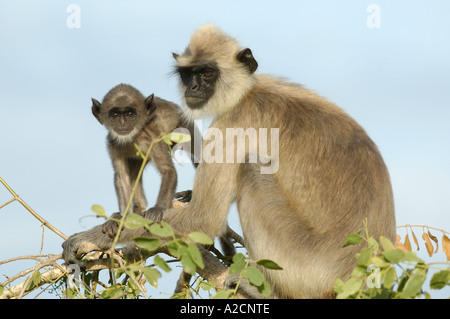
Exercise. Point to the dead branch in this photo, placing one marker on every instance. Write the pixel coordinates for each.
(214, 271)
(28, 208)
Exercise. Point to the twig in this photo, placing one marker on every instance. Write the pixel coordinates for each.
(424, 226)
(28, 208)
(35, 257)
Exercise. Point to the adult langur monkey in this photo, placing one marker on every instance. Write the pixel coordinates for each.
(324, 177)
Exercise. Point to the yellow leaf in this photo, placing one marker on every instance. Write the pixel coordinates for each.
(166, 138)
(407, 244)
(398, 244)
(428, 244)
(446, 246)
(435, 240)
(179, 137)
(415, 239)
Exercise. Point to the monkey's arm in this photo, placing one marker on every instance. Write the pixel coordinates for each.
(94, 240)
(122, 181)
(163, 162)
(214, 191)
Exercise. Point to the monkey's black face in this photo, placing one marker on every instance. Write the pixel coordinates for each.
(199, 81)
(122, 120)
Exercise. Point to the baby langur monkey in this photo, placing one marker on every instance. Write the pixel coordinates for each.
(132, 119)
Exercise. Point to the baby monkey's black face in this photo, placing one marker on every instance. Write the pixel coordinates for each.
(124, 111)
(122, 120)
(199, 81)
(123, 116)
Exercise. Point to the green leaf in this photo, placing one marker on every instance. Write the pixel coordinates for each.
(161, 263)
(177, 248)
(264, 289)
(223, 294)
(411, 256)
(188, 264)
(1, 290)
(338, 286)
(389, 278)
(35, 280)
(254, 275)
(349, 288)
(386, 243)
(364, 257)
(440, 279)
(380, 261)
(206, 285)
(161, 229)
(359, 271)
(393, 255)
(238, 264)
(99, 210)
(150, 244)
(152, 275)
(196, 255)
(113, 292)
(134, 221)
(353, 239)
(201, 238)
(414, 283)
(269, 264)
(373, 244)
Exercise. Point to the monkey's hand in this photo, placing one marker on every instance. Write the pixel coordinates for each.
(155, 213)
(111, 226)
(184, 197)
(79, 244)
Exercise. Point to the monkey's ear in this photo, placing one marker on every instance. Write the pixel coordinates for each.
(246, 57)
(150, 104)
(96, 110)
(175, 55)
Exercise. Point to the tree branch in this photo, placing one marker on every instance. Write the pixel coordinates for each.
(28, 208)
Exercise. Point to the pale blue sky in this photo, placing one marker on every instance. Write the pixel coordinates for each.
(394, 80)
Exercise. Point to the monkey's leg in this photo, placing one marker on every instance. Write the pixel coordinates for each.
(184, 196)
(163, 162)
(122, 183)
(140, 202)
(182, 283)
(275, 230)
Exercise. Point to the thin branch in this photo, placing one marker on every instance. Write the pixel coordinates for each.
(35, 257)
(28, 208)
(424, 226)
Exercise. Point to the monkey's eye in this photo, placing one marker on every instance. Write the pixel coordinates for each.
(131, 114)
(115, 115)
(207, 74)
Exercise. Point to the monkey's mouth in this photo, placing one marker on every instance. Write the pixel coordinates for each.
(194, 102)
(123, 132)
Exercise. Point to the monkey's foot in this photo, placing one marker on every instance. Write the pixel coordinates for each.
(155, 213)
(111, 226)
(184, 197)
